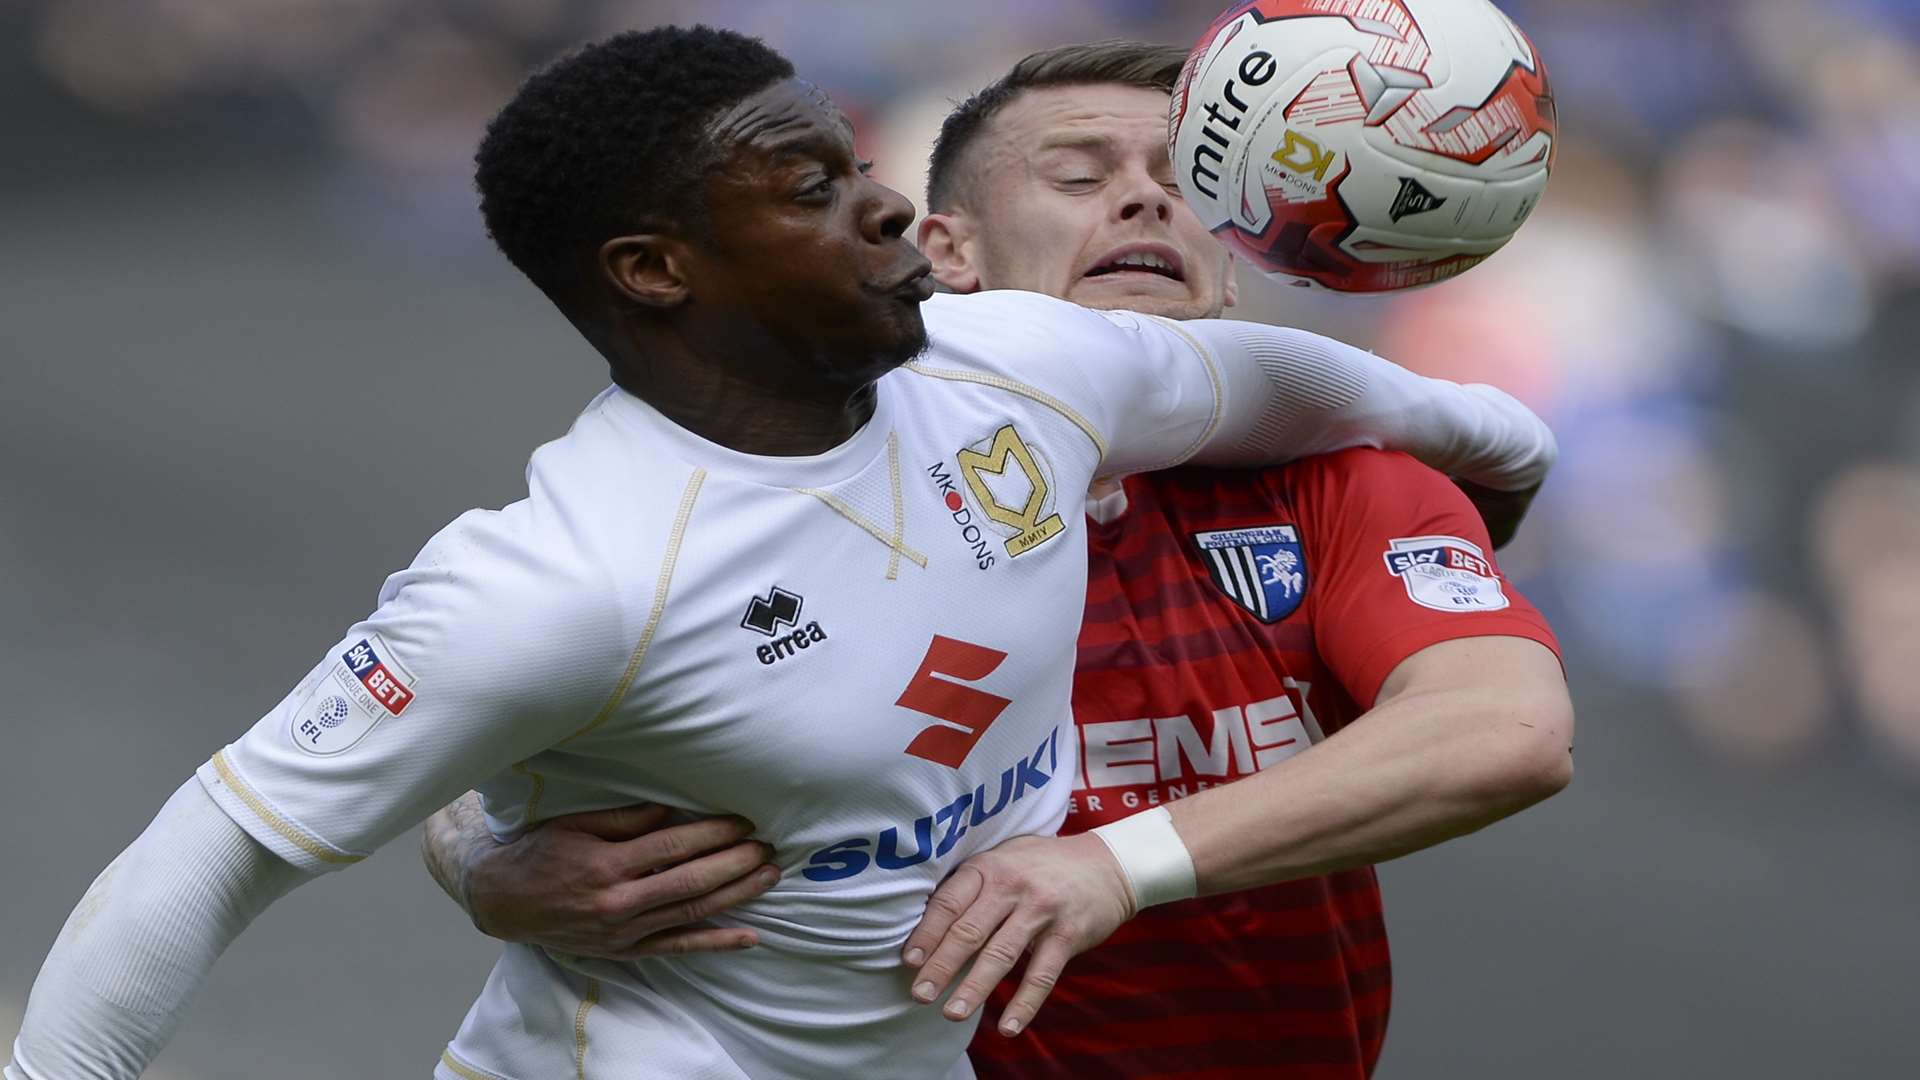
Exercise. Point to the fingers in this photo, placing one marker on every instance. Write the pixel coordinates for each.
(696, 890)
(995, 959)
(946, 904)
(1049, 958)
(678, 843)
(617, 823)
(968, 935)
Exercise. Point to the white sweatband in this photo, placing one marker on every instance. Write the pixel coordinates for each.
(1151, 854)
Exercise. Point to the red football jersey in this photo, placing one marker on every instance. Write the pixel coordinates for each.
(1234, 619)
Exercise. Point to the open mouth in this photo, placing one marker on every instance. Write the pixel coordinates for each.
(1157, 261)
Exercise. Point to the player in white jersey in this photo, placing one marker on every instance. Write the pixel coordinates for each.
(772, 573)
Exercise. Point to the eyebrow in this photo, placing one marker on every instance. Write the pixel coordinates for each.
(812, 143)
(1077, 141)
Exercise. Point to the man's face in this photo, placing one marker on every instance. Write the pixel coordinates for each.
(802, 249)
(1072, 194)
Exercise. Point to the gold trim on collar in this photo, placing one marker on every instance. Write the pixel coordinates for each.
(1012, 386)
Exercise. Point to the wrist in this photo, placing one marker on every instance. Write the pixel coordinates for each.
(473, 858)
(1152, 857)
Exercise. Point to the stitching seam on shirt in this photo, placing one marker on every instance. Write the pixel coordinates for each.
(587, 1003)
(896, 543)
(660, 585)
(538, 789)
(1213, 380)
(464, 1069)
(899, 506)
(1034, 393)
(296, 836)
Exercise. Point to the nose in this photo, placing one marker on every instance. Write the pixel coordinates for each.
(1140, 194)
(888, 215)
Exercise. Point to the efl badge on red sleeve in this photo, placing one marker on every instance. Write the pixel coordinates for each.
(362, 686)
(1446, 573)
(1261, 568)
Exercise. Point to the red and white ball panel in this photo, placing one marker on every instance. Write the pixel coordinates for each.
(1363, 145)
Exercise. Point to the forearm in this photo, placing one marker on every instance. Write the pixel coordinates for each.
(1413, 772)
(1290, 394)
(141, 940)
(447, 842)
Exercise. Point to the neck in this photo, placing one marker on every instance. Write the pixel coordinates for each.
(722, 401)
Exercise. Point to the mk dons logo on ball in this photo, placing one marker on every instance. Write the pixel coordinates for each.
(1011, 485)
(1298, 170)
(1302, 155)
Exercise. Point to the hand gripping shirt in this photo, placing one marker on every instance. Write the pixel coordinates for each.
(868, 653)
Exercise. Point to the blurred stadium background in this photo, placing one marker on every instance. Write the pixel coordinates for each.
(254, 348)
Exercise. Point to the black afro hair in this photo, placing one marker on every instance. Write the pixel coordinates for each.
(610, 138)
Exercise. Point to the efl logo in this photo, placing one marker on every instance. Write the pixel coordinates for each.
(1445, 573)
(386, 688)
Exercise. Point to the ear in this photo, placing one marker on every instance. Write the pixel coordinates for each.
(946, 241)
(646, 268)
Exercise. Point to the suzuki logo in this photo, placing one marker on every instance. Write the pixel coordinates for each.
(965, 712)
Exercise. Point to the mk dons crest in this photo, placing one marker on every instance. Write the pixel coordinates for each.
(1012, 485)
(1262, 568)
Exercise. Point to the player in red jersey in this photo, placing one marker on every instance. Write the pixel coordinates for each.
(1232, 622)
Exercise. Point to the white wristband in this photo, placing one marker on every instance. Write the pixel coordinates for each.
(1150, 853)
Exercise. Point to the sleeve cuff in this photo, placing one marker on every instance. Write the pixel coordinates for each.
(275, 831)
(1380, 660)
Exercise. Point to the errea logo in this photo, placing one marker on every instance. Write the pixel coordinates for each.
(773, 613)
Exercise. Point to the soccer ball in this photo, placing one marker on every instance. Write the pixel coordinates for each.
(1362, 145)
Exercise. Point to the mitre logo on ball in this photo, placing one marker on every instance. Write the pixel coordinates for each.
(1316, 137)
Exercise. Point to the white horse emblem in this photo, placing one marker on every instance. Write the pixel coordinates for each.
(1278, 569)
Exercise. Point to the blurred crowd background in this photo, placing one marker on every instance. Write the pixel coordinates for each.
(254, 348)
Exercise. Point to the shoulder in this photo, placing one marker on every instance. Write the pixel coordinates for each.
(492, 571)
(1360, 479)
(998, 318)
(1361, 498)
(582, 548)
(1368, 478)
(993, 306)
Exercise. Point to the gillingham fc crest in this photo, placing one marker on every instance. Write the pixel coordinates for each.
(1261, 568)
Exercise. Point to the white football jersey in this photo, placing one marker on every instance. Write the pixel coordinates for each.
(868, 653)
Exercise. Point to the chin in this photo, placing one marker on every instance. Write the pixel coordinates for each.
(909, 341)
